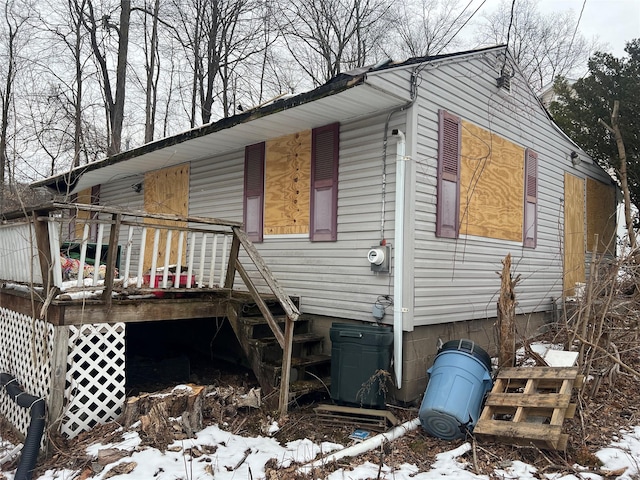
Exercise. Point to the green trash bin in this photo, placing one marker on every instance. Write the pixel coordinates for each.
(357, 353)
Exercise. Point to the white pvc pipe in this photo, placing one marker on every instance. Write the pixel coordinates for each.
(365, 446)
(398, 265)
(11, 455)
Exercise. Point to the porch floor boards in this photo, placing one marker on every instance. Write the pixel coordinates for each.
(134, 307)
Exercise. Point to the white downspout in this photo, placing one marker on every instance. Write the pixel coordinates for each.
(398, 265)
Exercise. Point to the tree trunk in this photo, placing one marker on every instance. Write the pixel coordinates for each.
(506, 316)
(117, 114)
(614, 129)
(152, 77)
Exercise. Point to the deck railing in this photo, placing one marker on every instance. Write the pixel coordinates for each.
(78, 247)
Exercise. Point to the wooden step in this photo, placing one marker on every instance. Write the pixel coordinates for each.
(528, 405)
(297, 338)
(308, 361)
(257, 327)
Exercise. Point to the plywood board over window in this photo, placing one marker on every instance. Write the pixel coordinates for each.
(88, 196)
(601, 216)
(574, 256)
(166, 191)
(491, 185)
(287, 184)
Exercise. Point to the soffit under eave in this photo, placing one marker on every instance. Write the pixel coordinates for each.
(357, 102)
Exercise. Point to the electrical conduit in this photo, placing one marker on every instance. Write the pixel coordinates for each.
(37, 407)
(362, 447)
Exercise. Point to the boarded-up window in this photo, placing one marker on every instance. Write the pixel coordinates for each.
(291, 185)
(88, 196)
(254, 191)
(287, 184)
(324, 183)
(601, 216)
(447, 219)
(491, 185)
(574, 258)
(529, 236)
(166, 191)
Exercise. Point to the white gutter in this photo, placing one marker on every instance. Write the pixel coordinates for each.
(362, 447)
(398, 265)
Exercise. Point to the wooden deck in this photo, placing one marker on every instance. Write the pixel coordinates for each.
(140, 267)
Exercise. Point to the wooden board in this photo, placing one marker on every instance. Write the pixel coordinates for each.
(166, 191)
(287, 184)
(491, 185)
(528, 405)
(574, 251)
(366, 418)
(601, 216)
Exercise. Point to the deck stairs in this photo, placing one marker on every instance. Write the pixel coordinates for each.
(310, 367)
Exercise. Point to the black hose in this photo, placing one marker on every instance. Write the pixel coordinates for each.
(37, 406)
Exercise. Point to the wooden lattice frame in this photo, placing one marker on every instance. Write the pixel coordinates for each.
(95, 380)
(26, 350)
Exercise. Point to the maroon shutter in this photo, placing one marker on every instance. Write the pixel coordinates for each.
(254, 191)
(324, 183)
(530, 199)
(448, 202)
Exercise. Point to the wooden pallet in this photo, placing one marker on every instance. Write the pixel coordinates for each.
(364, 418)
(528, 405)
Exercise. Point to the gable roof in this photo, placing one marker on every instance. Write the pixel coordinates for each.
(346, 97)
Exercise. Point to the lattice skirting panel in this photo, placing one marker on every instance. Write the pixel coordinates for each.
(26, 350)
(95, 381)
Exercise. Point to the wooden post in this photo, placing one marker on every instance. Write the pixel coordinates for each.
(112, 254)
(285, 376)
(506, 316)
(44, 249)
(233, 259)
(56, 401)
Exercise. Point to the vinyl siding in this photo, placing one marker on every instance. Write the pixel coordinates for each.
(331, 278)
(448, 279)
(456, 279)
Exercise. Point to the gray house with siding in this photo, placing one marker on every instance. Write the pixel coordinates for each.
(392, 190)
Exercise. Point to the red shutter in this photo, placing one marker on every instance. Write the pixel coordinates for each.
(324, 183)
(254, 191)
(448, 201)
(530, 231)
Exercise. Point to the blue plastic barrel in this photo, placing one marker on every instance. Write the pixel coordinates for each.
(459, 379)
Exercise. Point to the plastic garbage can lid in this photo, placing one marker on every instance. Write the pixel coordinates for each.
(468, 346)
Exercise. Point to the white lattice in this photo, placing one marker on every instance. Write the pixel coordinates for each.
(95, 382)
(26, 347)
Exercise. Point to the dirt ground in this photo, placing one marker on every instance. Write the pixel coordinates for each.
(596, 421)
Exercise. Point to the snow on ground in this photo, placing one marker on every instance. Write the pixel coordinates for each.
(228, 456)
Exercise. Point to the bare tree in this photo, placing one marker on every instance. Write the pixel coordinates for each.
(114, 104)
(15, 16)
(428, 27)
(326, 36)
(545, 46)
(65, 91)
(217, 36)
(152, 70)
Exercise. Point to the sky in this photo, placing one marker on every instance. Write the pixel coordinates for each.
(614, 22)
